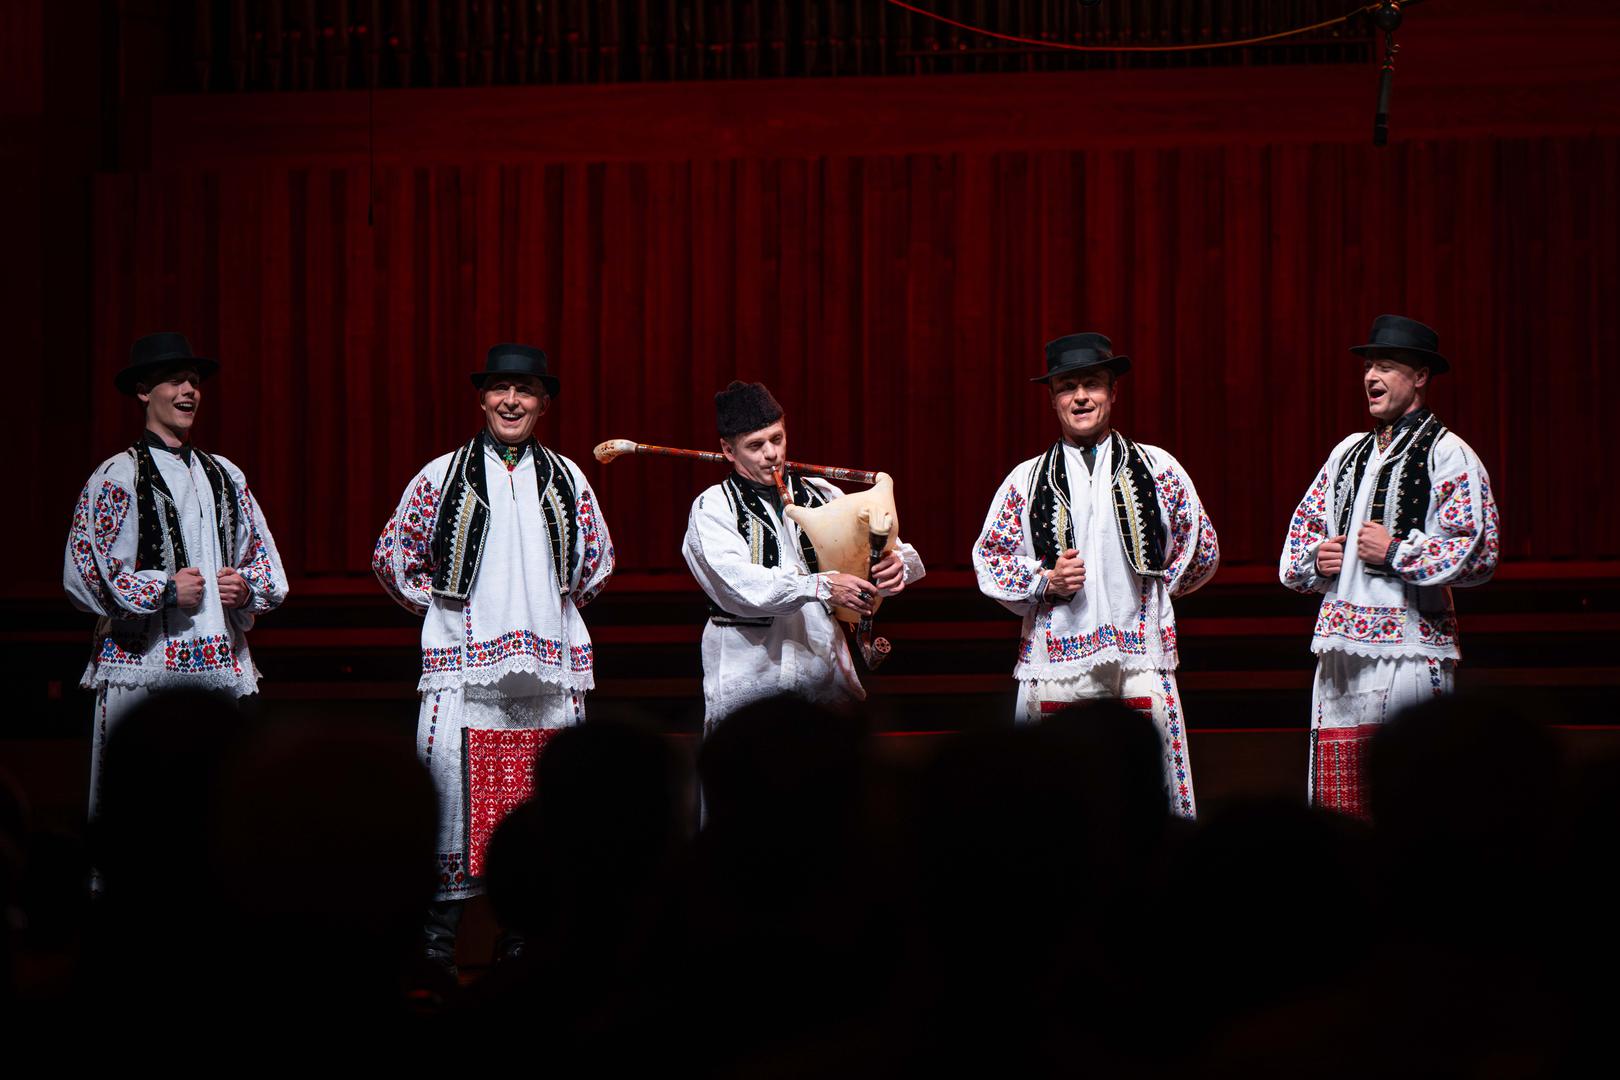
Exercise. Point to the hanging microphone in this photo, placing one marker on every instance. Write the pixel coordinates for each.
(1386, 17)
(1381, 118)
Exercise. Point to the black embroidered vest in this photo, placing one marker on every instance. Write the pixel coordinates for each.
(1400, 499)
(462, 528)
(754, 522)
(159, 542)
(1136, 508)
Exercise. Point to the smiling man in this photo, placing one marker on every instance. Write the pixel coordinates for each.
(1396, 518)
(498, 544)
(169, 548)
(771, 629)
(1090, 542)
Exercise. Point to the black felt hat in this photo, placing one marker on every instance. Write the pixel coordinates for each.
(508, 359)
(156, 353)
(1081, 352)
(1396, 337)
(744, 407)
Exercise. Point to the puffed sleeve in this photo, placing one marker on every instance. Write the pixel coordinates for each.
(101, 549)
(402, 559)
(1004, 561)
(257, 559)
(719, 559)
(1461, 540)
(1306, 531)
(593, 564)
(1192, 551)
(910, 562)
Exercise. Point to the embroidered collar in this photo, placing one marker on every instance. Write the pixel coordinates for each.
(1400, 496)
(1137, 513)
(151, 438)
(511, 456)
(457, 547)
(1386, 432)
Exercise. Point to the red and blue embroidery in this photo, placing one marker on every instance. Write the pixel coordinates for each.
(407, 537)
(514, 643)
(1002, 548)
(1178, 753)
(1073, 647)
(200, 654)
(121, 593)
(257, 570)
(1367, 625)
(115, 655)
(594, 562)
(580, 657)
(435, 661)
(1307, 529)
(452, 874)
(82, 551)
(1441, 632)
(1194, 550)
(1061, 650)
(1465, 554)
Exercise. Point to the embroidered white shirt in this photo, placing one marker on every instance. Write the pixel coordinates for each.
(1409, 613)
(802, 651)
(139, 641)
(515, 618)
(1116, 617)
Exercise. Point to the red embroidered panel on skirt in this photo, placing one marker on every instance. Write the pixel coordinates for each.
(500, 776)
(1338, 769)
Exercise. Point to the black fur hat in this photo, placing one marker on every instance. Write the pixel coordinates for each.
(744, 407)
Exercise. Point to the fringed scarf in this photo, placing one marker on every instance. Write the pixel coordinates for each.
(1136, 508)
(159, 542)
(1400, 499)
(463, 525)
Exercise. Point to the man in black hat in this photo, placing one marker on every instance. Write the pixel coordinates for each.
(170, 549)
(1396, 518)
(771, 630)
(500, 572)
(1090, 542)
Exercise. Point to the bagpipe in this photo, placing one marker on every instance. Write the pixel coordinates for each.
(850, 534)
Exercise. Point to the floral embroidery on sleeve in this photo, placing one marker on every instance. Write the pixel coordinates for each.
(256, 566)
(1001, 550)
(596, 548)
(1465, 546)
(1306, 530)
(1194, 552)
(133, 594)
(82, 544)
(402, 555)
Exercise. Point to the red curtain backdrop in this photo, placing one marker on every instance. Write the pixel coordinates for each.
(896, 304)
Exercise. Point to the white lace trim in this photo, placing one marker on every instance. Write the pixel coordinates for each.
(1403, 650)
(512, 665)
(1032, 670)
(158, 678)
